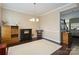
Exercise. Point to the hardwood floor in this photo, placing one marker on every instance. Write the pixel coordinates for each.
(62, 51)
(75, 46)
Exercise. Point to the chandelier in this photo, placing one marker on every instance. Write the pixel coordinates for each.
(35, 18)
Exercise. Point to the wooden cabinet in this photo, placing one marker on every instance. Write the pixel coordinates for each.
(6, 33)
(9, 34)
(66, 39)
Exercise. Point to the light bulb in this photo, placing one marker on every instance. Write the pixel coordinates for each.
(33, 19)
(37, 20)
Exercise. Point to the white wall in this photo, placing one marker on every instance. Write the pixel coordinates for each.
(50, 23)
(20, 19)
(0, 14)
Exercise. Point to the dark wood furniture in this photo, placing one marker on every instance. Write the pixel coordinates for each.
(9, 34)
(62, 51)
(25, 34)
(3, 49)
(66, 39)
(39, 34)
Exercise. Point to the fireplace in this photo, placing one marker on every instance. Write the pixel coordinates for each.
(26, 34)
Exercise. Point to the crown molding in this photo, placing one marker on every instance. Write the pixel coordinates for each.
(59, 9)
(62, 8)
(16, 11)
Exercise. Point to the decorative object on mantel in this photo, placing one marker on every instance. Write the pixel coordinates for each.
(35, 18)
(4, 22)
(39, 34)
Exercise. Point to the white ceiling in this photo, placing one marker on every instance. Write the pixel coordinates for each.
(28, 8)
(75, 9)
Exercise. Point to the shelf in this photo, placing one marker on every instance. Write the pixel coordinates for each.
(14, 35)
(14, 38)
(13, 31)
(14, 27)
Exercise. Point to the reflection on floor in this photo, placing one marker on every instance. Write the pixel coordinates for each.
(75, 46)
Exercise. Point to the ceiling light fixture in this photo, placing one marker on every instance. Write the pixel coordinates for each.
(34, 19)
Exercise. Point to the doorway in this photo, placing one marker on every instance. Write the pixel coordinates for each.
(69, 22)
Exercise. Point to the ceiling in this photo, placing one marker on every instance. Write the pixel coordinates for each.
(75, 9)
(28, 8)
